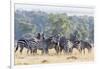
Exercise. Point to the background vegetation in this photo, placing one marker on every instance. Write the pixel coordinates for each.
(53, 23)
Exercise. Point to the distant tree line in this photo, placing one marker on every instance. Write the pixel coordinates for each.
(51, 24)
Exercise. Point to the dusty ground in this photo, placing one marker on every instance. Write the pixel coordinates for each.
(27, 59)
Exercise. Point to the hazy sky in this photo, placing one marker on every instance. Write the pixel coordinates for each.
(70, 10)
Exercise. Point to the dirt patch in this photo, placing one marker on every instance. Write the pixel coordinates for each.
(44, 61)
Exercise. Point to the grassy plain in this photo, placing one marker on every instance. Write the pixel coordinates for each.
(28, 59)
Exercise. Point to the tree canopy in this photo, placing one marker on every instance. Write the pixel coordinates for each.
(53, 23)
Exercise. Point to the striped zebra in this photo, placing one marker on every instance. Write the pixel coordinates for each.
(25, 43)
(32, 44)
(82, 45)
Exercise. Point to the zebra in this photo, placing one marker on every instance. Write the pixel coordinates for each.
(81, 45)
(27, 43)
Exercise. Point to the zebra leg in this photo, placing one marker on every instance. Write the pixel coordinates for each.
(31, 51)
(16, 48)
(27, 51)
(84, 51)
(60, 50)
(57, 49)
(42, 51)
(80, 50)
(21, 49)
(34, 51)
(46, 50)
(70, 51)
(65, 50)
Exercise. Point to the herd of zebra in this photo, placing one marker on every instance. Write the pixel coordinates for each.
(59, 43)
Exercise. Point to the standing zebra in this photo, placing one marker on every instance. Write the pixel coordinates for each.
(82, 45)
(22, 43)
(28, 44)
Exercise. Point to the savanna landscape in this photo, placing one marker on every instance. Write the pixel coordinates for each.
(53, 34)
(24, 59)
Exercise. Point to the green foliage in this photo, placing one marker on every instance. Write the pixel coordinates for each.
(60, 22)
(53, 23)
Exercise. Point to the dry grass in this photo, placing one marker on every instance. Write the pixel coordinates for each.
(27, 59)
